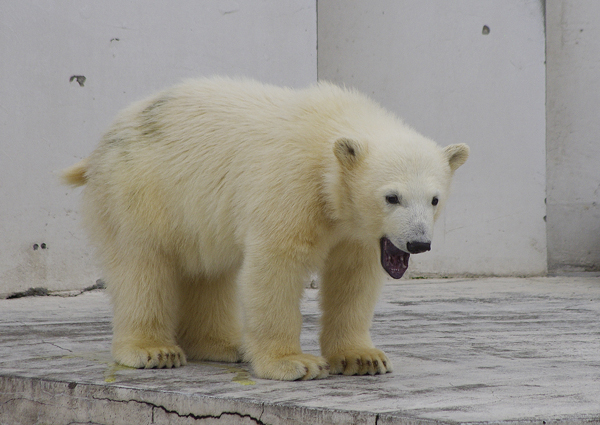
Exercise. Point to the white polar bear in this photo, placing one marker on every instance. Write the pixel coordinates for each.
(212, 203)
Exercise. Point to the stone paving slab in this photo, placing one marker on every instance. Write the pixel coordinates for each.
(464, 351)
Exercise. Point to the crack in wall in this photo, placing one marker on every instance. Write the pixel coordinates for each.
(44, 292)
(193, 416)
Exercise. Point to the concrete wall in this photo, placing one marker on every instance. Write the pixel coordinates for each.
(430, 62)
(125, 50)
(573, 142)
(434, 65)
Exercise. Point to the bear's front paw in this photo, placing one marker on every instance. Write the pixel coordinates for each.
(291, 368)
(148, 357)
(359, 362)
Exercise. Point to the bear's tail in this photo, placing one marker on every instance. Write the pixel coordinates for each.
(75, 175)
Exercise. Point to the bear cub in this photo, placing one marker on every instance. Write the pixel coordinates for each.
(211, 203)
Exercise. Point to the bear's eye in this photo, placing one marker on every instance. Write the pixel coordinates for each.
(435, 201)
(392, 199)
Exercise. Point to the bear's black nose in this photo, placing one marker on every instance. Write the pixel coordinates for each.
(418, 247)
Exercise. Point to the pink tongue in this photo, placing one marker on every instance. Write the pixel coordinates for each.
(393, 260)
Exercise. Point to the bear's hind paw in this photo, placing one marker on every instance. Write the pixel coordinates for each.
(205, 348)
(166, 356)
(360, 362)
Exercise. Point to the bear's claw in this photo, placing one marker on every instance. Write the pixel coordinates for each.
(144, 357)
(359, 362)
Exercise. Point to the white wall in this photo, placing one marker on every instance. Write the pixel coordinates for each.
(125, 50)
(573, 72)
(430, 63)
(426, 60)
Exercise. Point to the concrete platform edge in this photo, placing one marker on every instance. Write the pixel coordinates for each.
(26, 401)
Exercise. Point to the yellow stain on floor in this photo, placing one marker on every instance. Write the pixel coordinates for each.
(241, 377)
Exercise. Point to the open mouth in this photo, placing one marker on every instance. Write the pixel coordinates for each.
(393, 260)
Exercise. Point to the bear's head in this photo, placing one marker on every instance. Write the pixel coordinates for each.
(393, 191)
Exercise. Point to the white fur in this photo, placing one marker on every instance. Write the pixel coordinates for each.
(213, 201)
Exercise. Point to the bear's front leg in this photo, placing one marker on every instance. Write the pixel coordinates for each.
(350, 286)
(271, 288)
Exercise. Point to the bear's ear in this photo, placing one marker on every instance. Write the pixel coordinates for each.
(349, 152)
(456, 155)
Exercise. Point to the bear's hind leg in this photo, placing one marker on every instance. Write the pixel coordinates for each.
(145, 300)
(209, 326)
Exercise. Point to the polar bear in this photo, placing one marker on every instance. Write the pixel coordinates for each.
(211, 204)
